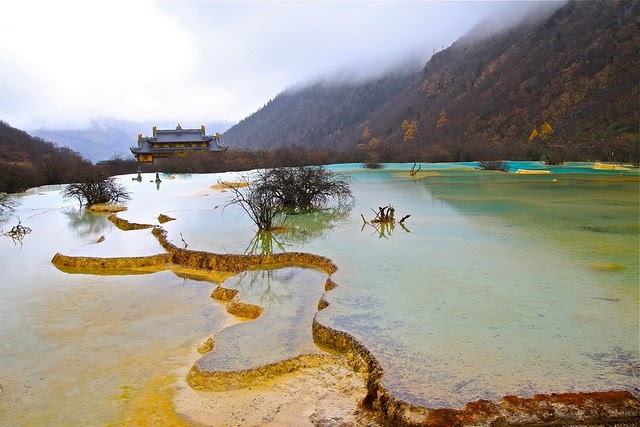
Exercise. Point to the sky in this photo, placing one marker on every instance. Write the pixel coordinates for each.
(64, 64)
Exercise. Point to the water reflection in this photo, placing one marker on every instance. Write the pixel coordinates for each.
(264, 243)
(560, 213)
(299, 229)
(289, 297)
(261, 285)
(85, 223)
(498, 289)
(17, 232)
(383, 230)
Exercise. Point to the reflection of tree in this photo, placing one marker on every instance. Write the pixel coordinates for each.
(85, 222)
(384, 229)
(259, 283)
(7, 203)
(263, 244)
(300, 228)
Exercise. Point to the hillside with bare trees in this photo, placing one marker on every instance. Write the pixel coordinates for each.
(560, 84)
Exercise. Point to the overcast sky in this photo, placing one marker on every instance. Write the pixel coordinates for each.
(63, 64)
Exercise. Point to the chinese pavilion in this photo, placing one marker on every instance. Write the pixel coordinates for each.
(166, 143)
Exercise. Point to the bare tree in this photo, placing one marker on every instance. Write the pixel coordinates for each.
(7, 203)
(290, 190)
(308, 187)
(96, 189)
(256, 200)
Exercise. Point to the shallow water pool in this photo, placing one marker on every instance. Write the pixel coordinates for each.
(497, 284)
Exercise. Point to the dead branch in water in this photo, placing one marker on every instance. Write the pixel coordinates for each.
(384, 221)
(414, 171)
(18, 232)
(385, 214)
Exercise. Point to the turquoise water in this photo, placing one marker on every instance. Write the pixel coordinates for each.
(498, 284)
(289, 297)
(506, 284)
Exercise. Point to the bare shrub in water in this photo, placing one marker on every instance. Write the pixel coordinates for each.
(493, 166)
(306, 188)
(96, 189)
(290, 190)
(7, 203)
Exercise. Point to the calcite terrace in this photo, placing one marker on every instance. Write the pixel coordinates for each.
(594, 408)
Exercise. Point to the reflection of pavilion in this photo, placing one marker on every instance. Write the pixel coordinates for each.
(167, 143)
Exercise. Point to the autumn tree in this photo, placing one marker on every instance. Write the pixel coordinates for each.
(409, 129)
(442, 120)
(534, 134)
(365, 133)
(545, 130)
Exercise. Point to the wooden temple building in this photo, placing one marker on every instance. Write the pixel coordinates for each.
(167, 143)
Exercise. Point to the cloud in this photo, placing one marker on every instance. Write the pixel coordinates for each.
(65, 63)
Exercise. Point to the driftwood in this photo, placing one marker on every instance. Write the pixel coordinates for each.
(384, 214)
(384, 221)
(413, 170)
(18, 232)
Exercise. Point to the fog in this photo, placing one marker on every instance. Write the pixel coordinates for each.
(64, 64)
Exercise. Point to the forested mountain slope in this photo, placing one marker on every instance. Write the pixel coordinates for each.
(27, 161)
(312, 115)
(567, 79)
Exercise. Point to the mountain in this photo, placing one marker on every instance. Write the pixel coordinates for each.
(317, 114)
(98, 142)
(27, 161)
(108, 138)
(570, 73)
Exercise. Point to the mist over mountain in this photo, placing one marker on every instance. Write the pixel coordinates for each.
(570, 68)
(316, 113)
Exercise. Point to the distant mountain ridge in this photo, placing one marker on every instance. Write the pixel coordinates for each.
(573, 70)
(94, 143)
(109, 138)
